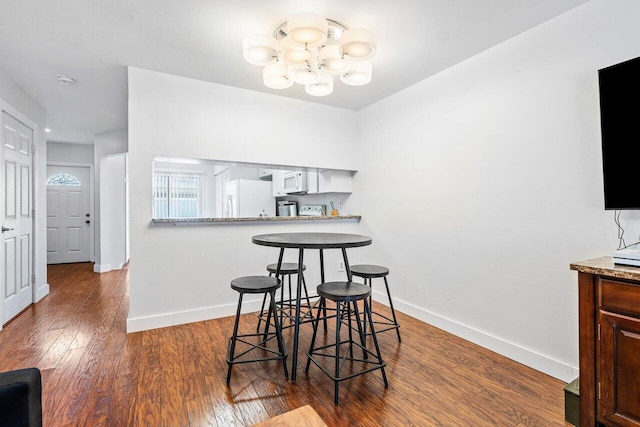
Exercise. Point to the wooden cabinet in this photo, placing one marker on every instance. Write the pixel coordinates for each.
(609, 339)
(618, 352)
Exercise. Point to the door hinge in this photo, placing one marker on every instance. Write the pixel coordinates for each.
(598, 331)
(33, 279)
(599, 391)
(33, 214)
(33, 148)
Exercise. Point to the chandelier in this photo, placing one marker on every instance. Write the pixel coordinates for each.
(310, 50)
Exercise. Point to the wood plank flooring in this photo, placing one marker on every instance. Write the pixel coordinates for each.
(94, 374)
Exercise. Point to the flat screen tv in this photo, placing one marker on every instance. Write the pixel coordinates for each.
(620, 124)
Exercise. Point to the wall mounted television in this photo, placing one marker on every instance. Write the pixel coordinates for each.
(620, 126)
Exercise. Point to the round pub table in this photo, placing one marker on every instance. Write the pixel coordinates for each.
(302, 241)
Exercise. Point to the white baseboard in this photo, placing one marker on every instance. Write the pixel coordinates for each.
(542, 363)
(102, 268)
(105, 268)
(41, 292)
(189, 316)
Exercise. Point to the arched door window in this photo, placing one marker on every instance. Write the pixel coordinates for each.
(63, 179)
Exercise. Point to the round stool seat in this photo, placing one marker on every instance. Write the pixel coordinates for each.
(255, 284)
(285, 268)
(366, 270)
(343, 291)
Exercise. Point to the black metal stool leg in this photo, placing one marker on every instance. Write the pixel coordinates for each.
(268, 322)
(282, 299)
(264, 300)
(278, 333)
(290, 303)
(324, 313)
(367, 282)
(393, 311)
(306, 295)
(313, 337)
(375, 342)
(232, 348)
(350, 330)
(365, 354)
(337, 366)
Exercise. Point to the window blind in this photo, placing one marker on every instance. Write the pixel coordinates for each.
(177, 194)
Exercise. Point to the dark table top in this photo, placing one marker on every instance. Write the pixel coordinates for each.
(312, 240)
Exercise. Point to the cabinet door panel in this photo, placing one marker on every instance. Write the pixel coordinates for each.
(619, 370)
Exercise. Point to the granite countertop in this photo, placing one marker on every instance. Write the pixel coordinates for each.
(604, 266)
(176, 221)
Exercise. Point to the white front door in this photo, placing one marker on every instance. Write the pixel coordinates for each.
(68, 215)
(15, 216)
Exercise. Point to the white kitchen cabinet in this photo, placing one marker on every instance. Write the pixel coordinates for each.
(328, 181)
(335, 181)
(236, 172)
(277, 183)
(312, 181)
(265, 174)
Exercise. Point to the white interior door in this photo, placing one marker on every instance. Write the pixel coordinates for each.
(15, 216)
(68, 214)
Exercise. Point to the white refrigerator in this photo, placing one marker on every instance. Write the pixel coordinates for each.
(248, 198)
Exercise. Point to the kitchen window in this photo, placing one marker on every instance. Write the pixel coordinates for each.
(177, 194)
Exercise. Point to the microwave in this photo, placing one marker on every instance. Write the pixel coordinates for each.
(295, 182)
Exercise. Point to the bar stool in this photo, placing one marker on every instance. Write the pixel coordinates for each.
(346, 296)
(286, 269)
(368, 272)
(256, 285)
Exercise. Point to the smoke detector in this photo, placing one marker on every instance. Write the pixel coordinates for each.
(66, 80)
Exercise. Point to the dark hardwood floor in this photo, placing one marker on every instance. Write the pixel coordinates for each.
(94, 374)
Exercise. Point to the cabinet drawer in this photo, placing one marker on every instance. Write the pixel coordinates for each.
(619, 297)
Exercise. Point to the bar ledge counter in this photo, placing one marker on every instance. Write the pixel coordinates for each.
(180, 221)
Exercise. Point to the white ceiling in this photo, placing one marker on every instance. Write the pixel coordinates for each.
(94, 41)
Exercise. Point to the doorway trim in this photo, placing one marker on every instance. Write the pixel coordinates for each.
(92, 231)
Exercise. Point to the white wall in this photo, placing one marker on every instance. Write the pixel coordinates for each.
(180, 274)
(106, 143)
(69, 153)
(17, 102)
(493, 185)
(114, 223)
(479, 186)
